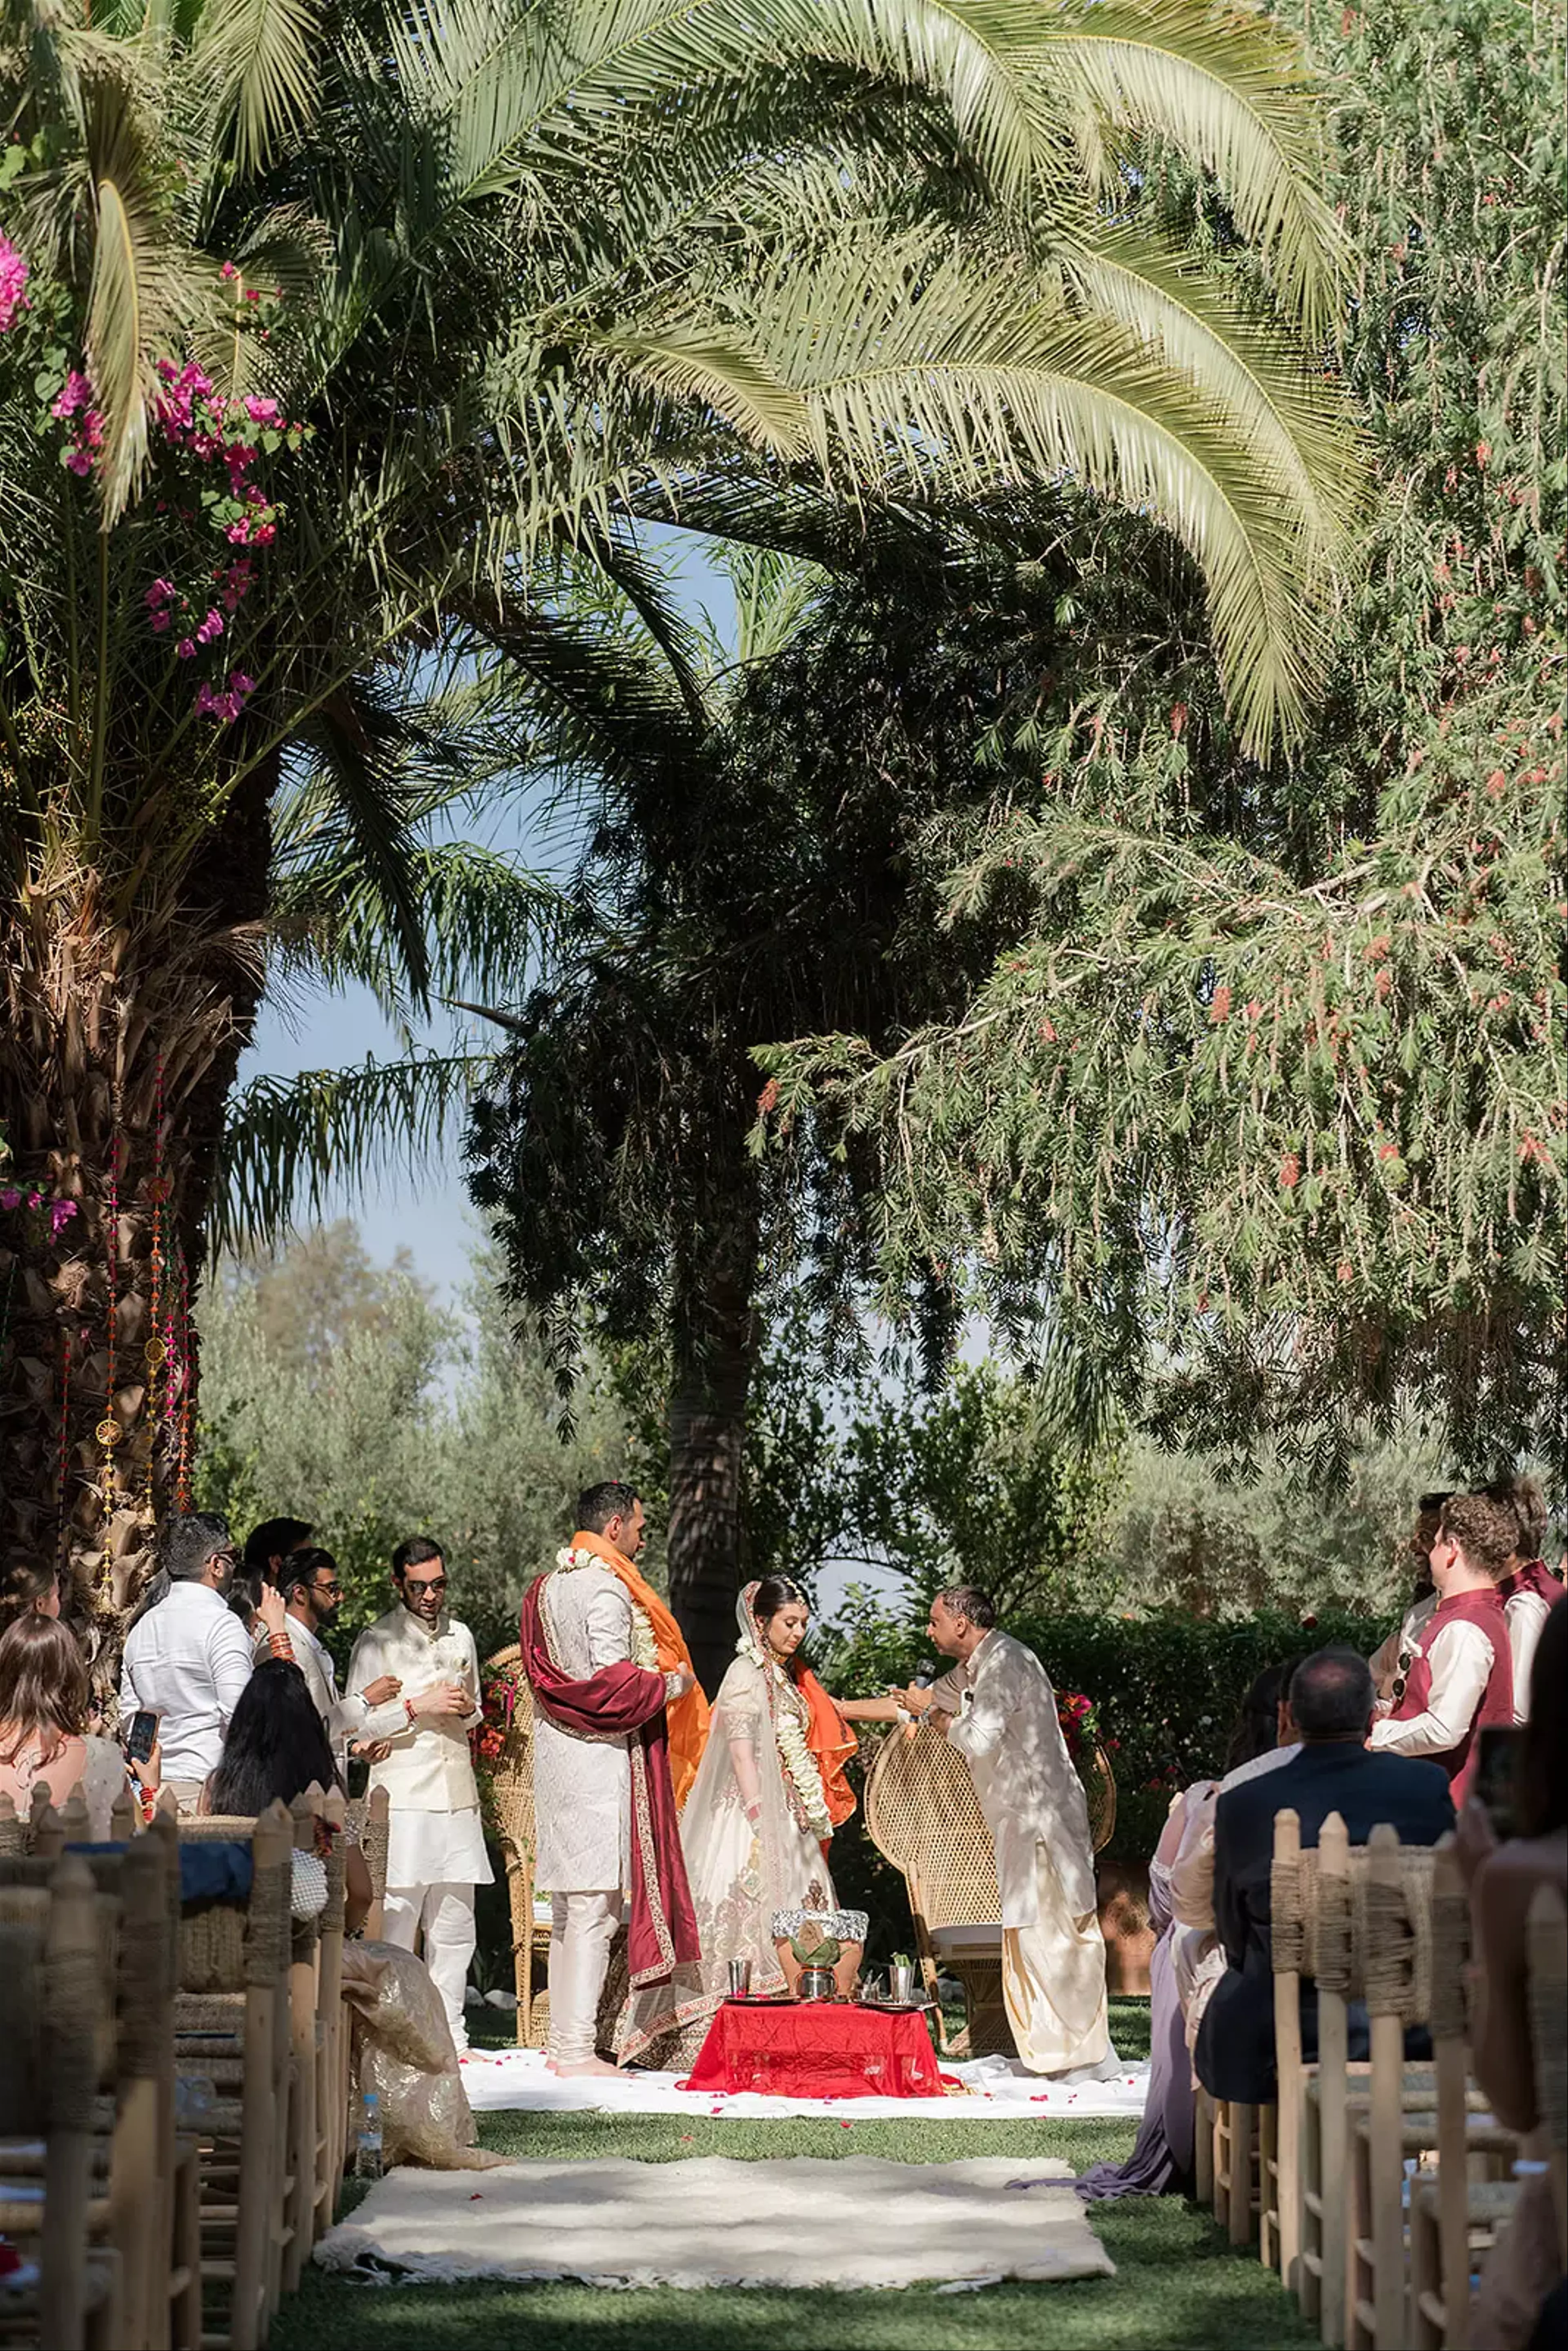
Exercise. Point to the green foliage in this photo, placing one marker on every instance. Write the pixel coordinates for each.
(374, 1415)
(1260, 1122)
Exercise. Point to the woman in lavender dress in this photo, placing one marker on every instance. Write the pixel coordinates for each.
(1161, 2160)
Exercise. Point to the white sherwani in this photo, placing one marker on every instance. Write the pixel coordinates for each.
(582, 1786)
(582, 1805)
(435, 1841)
(1054, 1956)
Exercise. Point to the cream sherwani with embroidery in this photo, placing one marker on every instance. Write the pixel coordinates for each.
(1054, 1956)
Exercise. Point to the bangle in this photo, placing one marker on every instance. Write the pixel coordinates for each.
(408, 1709)
(281, 1646)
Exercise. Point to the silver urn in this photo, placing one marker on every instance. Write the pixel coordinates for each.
(816, 1983)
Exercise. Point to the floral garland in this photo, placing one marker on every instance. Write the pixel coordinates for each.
(803, 1778)
(644, 1648)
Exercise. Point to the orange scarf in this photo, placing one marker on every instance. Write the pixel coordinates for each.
(686, 1718)
(833, 1743)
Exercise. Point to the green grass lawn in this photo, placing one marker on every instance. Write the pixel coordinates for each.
(1178, 2286)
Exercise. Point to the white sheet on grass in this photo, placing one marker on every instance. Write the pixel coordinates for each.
(991, 2089)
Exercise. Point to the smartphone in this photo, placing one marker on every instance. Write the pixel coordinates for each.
(1494, 1781)
(142, 1736)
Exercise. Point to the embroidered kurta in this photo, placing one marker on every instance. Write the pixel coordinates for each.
(435, 1834)
(582, 1784)
(1005, 1725)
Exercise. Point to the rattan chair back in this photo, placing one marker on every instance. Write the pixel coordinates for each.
(921, 1813)
(512, 1820)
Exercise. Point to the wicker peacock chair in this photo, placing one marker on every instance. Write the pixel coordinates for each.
(923, 1815)
(512, 1822)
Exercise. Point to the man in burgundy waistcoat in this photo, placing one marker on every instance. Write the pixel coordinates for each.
(1461, 1671)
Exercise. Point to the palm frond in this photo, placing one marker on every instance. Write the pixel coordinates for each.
(287, 1141)
(261, 56)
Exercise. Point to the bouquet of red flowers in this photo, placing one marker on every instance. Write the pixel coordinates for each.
(498, 1704)
(1080, 1720)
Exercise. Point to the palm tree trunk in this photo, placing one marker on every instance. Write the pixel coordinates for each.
(118, 1042)
(715, 1344)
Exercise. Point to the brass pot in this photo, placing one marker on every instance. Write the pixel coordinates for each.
(816, 1983)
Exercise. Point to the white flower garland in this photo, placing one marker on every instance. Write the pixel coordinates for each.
(644, 1648)
(806, 1780)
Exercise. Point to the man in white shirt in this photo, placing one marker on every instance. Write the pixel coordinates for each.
(313, 1595)
(999, 1709)
(187, 1654)
(436, 1854)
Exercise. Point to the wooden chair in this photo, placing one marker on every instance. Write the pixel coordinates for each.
(234, 2028)
(136, 1893)
(921, 1813)
(512, 1787)
(58, 2038)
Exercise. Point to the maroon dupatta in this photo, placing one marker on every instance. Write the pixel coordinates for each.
(627, 1701)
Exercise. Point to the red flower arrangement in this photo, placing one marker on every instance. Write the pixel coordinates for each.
(1080, 1720)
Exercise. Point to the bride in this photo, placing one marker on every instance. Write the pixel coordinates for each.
(767, 1796)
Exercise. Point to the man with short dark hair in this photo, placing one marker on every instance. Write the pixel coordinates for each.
(1331, 1708)
(187, 1656)
(999, 1710)
(435, 1848)
(1461, 1670)
(313, 1594)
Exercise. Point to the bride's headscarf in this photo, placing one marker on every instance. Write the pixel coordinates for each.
(827, 1735)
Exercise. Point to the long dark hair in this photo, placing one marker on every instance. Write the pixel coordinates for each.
(44, 1688)
(276, 1745)
(1256, 1729)
(1540, 1791)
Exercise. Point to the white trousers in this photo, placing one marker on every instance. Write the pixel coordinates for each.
(582, 1927)
(445, 1912)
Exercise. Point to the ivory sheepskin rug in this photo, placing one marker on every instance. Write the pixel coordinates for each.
(711, 2221)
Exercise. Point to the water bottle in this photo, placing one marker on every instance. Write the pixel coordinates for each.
(194, 2098)
(368, 2155)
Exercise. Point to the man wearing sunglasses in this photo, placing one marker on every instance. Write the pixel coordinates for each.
(435, 1850)
(187, 1656)
(314, 1592)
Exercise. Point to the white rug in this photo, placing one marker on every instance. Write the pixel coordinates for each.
(991, 2089)
(711, 2221)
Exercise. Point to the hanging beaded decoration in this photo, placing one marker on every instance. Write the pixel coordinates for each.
(183, 1465)
(109, 1430)
(155, 1353)
(62, 1478)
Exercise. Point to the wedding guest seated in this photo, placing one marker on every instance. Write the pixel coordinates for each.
(1263, 1737)
(45, 1700)
(28, 1587)
(1461, 1671)
(1331, 1704)
(1523, 2266)
(275, 1747)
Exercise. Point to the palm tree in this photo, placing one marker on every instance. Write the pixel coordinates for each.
(344, 330)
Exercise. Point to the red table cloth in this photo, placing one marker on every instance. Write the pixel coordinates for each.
(817, 2049)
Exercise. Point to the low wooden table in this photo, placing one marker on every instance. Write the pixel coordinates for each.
(817, 2049)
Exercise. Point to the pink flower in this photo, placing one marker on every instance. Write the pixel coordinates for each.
(60, 1215)
(10, 1199)
(161, 593)
(262, 412)
(186, 648)
(212, 626)
(159, 622)
(228, 270)
(78, 461)
(13, 283)
(241, 684)
(76, 392)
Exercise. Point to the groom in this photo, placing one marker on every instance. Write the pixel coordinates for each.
(605, 1660)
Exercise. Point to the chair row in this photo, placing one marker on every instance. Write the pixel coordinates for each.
(175, 2077)
(1374, 2185)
